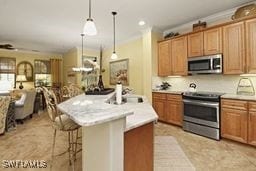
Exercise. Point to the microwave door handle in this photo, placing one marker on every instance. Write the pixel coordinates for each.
(211, 64)
(199, 103)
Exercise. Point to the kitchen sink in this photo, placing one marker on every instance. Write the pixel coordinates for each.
(126, 99)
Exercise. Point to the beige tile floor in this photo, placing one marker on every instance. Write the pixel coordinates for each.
(169, 156)
(33, 140)
(207, 154)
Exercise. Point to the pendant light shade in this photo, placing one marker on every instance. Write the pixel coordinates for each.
(114, 55)
(89, 27)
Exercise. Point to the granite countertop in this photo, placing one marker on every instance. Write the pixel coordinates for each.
(88, 110)
(238, 97)
(167, 91)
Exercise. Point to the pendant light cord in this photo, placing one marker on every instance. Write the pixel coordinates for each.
(82, 45)
(114, 26)
(90, 9)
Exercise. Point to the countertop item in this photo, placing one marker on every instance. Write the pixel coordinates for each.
(238, 97)
(192, 87)
(87, 110)
(167, 91)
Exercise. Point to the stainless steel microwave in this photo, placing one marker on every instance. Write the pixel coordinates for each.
(205, 64)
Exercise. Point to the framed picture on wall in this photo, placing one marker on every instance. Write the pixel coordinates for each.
(119, 71)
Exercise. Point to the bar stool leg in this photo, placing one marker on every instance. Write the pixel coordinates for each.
(53, 146)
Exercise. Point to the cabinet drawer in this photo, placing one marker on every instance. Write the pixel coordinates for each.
(234, 104)
(159, 96)
(252, 106)
(174, 97)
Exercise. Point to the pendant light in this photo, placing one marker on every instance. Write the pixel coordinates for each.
(89, 27)
(114, 56)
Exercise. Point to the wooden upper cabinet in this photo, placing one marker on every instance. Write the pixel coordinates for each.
(179, 56)
(251, 45)
(234, 48)
(164, 58)
(195, 44)
(213, 41)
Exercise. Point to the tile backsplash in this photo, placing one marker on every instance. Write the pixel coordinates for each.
(212, 83)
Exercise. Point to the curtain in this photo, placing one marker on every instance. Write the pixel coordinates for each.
(56, 72)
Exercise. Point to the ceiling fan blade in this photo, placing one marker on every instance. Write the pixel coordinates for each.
(7, 46)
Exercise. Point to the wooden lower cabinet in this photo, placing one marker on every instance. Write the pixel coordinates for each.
(252, 124)
(168, 107)
(174, 110)
(159, 106)
(234, 124)
(238, 120)
(252, 128)
(138, 148)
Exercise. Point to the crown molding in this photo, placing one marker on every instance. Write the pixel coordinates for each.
(224, 15)
(31, 52)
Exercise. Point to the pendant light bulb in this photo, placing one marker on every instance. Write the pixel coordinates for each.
(89, 27)
(114, 55)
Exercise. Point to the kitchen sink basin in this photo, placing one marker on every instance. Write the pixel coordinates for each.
(126, 99)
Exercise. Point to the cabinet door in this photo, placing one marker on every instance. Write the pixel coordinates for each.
(195, 44)
(252, 128)
(174, 112)
(213, 41)
(251, 45)
(159, 106)
(233, 48)
(234, 124)
(164, 59)
(252, 124)
(179, 56)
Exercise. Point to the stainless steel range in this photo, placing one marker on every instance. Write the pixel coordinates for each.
(201, 114)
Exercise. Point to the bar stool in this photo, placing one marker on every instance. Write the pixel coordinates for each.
(61, 122)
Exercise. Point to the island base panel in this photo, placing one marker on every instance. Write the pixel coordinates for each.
(138, 148)
(103, 146)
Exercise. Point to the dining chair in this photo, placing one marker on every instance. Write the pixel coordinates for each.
(4, 104)
(75, 90)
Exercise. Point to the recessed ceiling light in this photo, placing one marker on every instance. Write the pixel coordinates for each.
(142, 23)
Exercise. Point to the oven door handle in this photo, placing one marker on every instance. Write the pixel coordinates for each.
(201, 103)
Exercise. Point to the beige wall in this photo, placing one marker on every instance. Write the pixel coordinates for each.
(142, 55)
(73, 58)
(133, 51)
(30, 57)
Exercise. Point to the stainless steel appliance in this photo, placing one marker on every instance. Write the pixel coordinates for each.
(201, 114)
(205, 64)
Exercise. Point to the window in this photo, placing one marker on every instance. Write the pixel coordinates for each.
(42, 67)
(25, 68)
(7, 69)
(42, 73)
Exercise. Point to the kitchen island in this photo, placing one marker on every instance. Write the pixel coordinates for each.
(114, 137)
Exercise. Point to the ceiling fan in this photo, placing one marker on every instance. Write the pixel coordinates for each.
(7, 46)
